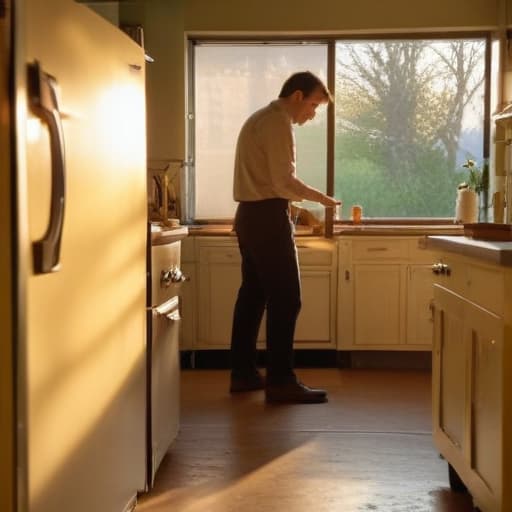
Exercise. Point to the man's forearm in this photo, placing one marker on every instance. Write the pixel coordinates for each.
(299, 188)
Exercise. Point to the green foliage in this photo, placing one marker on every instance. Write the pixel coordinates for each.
(427, 190)
(399, 115)
(478, 179)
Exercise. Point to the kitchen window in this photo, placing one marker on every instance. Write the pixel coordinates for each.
(231, 81)
(408, 113)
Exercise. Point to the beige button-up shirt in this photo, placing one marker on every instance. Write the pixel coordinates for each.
(265, 159)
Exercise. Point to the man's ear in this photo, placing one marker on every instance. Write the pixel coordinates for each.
(297, 95)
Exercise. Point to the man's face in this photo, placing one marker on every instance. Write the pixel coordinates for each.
(305, 107)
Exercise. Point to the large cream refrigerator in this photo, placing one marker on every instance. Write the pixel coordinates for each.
(78, 259)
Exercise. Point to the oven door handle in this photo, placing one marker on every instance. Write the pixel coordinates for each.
(169, 309)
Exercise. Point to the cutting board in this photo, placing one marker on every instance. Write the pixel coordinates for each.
(489, 231)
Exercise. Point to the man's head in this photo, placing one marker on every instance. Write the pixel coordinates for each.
(302, 93)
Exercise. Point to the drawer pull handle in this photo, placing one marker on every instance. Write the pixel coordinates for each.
(441, 268)
(377, 249)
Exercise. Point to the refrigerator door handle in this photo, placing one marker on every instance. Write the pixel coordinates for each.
(42, 94)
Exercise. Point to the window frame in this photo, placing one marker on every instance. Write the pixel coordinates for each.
(330, 40)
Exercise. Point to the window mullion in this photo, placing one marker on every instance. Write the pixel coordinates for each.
(331, 82)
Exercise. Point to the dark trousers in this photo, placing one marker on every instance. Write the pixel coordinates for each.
(271, 280)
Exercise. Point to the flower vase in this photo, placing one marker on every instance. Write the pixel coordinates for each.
(483, 206)
(466, 206)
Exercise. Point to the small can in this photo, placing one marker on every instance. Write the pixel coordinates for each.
(356, 213)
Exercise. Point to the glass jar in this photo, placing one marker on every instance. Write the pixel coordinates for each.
(356, 213)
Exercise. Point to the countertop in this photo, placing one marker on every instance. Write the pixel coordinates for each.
(343, 229)
(499, 253)
(398, 229)
(161, 235)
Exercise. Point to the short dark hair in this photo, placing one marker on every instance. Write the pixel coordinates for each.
(306, 82)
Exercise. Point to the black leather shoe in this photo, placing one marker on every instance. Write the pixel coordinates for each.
(295, 393)
(243, 384)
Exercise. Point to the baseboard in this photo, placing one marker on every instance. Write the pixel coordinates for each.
(220, 359)
(390, 359)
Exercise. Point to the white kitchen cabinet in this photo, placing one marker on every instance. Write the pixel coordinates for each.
(384, 294)
(187, 307)
(218, 284)
(419, 304)
(472, 373)
(378, 304)
(218, 276)
(188, 298)
(450, 365)
(314, 324)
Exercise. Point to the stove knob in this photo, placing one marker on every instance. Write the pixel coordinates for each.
(165, 278)
(172, 275)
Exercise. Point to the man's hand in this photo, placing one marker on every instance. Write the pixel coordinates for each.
(303, 217)
(330, 202)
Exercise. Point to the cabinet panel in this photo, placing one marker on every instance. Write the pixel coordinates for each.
(188, 249)
(218, 289)
(451, 366)
(418, 254)
(486, 396)
(188, 307)
(457, 279)
(380, 248)
(384, 294)
(315, 252)
(470, 418)
(313, 323)
(377, 304)
(219, 277)
(226, 255)
(486, 288)
(420, 293)
(481, 284)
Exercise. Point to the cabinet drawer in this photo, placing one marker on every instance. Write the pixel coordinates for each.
(308, 254)
(219, 255)
(365, 250)
(313, 256)
(486, 287)
(456, 280)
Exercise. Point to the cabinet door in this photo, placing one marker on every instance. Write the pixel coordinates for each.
(313, 323)
(485, 332)
(188, 308)
(219, 280)
(449, 373)
(420, 293)
(218, 288)
(378, 302)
